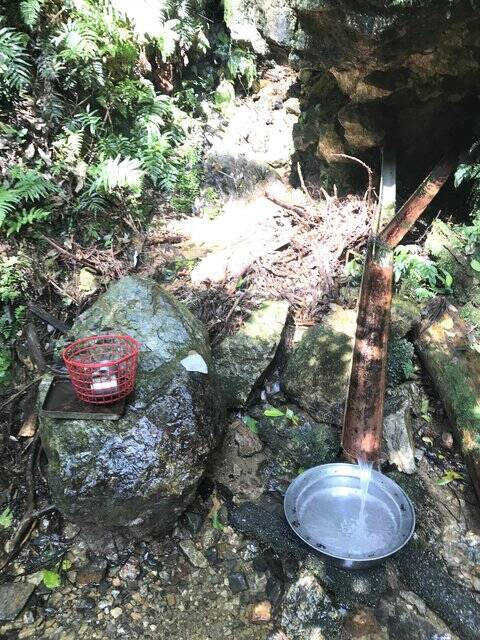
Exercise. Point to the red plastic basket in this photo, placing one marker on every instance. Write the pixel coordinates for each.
(102, 368)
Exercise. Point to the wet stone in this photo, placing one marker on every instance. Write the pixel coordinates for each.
(92, 573)
(248, 442)
(194, 556)
(260, 612)
(129, 571)
(192, 521)
(13, 597)
(274, 590)
(85, 604)
(237, 582)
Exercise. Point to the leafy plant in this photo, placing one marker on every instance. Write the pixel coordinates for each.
(14, 63)
(251, 423)
(273, 412)
(418, 274)
(51, 579)
(6, 518)
(24, 185)
(216, 524)
(449, 476)
(224, 95)
(30, 10)
(5, 364)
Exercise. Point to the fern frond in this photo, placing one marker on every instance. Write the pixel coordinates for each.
(9, 198)
(77, 41)
(30, 184)
(14, 63)
(49, 64)
(30, 10)
(26, 217)
(119, 173)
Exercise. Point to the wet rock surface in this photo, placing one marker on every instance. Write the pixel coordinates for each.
(141, 471)
(13, 597)
(242, 359)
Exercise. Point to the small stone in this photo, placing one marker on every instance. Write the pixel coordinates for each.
(116, 582)
(13, 597)
(28, 617)
(292, 105)
(195, 557)
(274, 590)
(70, 530)
(212, 555)
(261, 612)
(115, 613)
(419, 454)
(238, 582)
(129, 571)
(447, 439)
(192, 521)
(85, 604)
(247, 441)
(92, 573)
(171, 599)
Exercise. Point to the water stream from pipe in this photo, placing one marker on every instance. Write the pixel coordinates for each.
(365, 468)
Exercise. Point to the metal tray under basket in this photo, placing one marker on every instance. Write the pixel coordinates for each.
(62, 402)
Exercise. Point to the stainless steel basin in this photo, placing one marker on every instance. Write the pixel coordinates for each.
(322, 505)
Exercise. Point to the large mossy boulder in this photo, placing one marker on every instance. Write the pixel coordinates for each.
(241, 360)
(317, 372)
(295, 439)
(141, 471)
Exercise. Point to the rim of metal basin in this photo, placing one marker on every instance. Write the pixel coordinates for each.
(396, 495)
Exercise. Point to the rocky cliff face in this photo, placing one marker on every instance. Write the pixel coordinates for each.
(373, 71)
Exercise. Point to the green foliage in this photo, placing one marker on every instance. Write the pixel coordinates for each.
(10, 278)
(117, 173)
(14, 63)
(449, 476)
(224, 95)
(251, 423)
(30, 10)
(418, 275)
(23, 186)
(6, 518)
(51, 579)
(468, 172)
(216, 524)
(12, 282)
(273, 412)
(400, 365)
(5, 364)
(238, 64)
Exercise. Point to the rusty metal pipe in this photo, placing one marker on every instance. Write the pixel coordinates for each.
(363, 421)
(413, 208)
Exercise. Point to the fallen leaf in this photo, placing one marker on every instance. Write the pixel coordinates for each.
(51, 579)
(273, 413)
(87, 281)
(6, 518)
(251, 423)
(449, 476)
